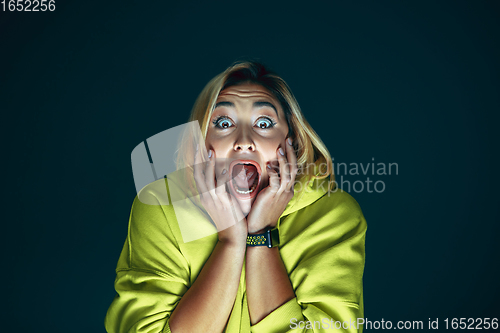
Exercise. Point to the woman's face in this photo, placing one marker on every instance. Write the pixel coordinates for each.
(247, 127)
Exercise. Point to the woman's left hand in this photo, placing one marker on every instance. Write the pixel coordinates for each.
(272, 200)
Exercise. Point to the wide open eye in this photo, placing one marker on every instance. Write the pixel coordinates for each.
(265, 123)
(223, 122)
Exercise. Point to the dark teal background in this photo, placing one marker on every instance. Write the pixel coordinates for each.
(414, 83)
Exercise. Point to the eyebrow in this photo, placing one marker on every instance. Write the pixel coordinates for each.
(255, 105)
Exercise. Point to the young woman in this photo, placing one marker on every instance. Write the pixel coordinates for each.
(287, 248)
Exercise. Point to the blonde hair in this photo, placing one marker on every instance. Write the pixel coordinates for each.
(311, 151)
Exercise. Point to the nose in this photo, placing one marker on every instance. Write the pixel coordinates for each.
(244, 143)
(244, 147)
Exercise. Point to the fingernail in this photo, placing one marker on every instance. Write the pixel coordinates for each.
(224, 171)
(282, 152)
(210, 153)
(289, 140)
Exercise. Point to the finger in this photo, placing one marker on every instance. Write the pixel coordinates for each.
(198, 175)
(210, 172)
(220, 190)
(221, 194)
(230, 213)
(274, 179)
(292, 162)
(275, 165)
(238, 214)
(283, 165)
(284, 170)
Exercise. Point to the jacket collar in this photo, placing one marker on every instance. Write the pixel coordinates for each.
(306, 192)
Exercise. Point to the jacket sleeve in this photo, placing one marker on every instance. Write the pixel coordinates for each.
(326, 272)
(151, 275)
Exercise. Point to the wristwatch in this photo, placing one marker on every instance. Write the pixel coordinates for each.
(269, 238)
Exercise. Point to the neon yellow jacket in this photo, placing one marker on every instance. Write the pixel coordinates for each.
(322, 245)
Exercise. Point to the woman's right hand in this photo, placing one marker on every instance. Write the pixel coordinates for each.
(222, 207)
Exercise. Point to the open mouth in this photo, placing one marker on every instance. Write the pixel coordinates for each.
(245, 178)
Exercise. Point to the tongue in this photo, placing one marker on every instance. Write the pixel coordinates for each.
(244, 175)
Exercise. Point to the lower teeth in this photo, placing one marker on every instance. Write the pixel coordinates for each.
(246, 192)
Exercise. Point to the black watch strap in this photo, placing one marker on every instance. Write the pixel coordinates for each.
(269, 238)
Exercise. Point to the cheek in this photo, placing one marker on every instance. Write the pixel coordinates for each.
(269, 147)
(221, 148)
(215, 143)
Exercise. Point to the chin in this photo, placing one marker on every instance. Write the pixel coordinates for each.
(246, 205)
